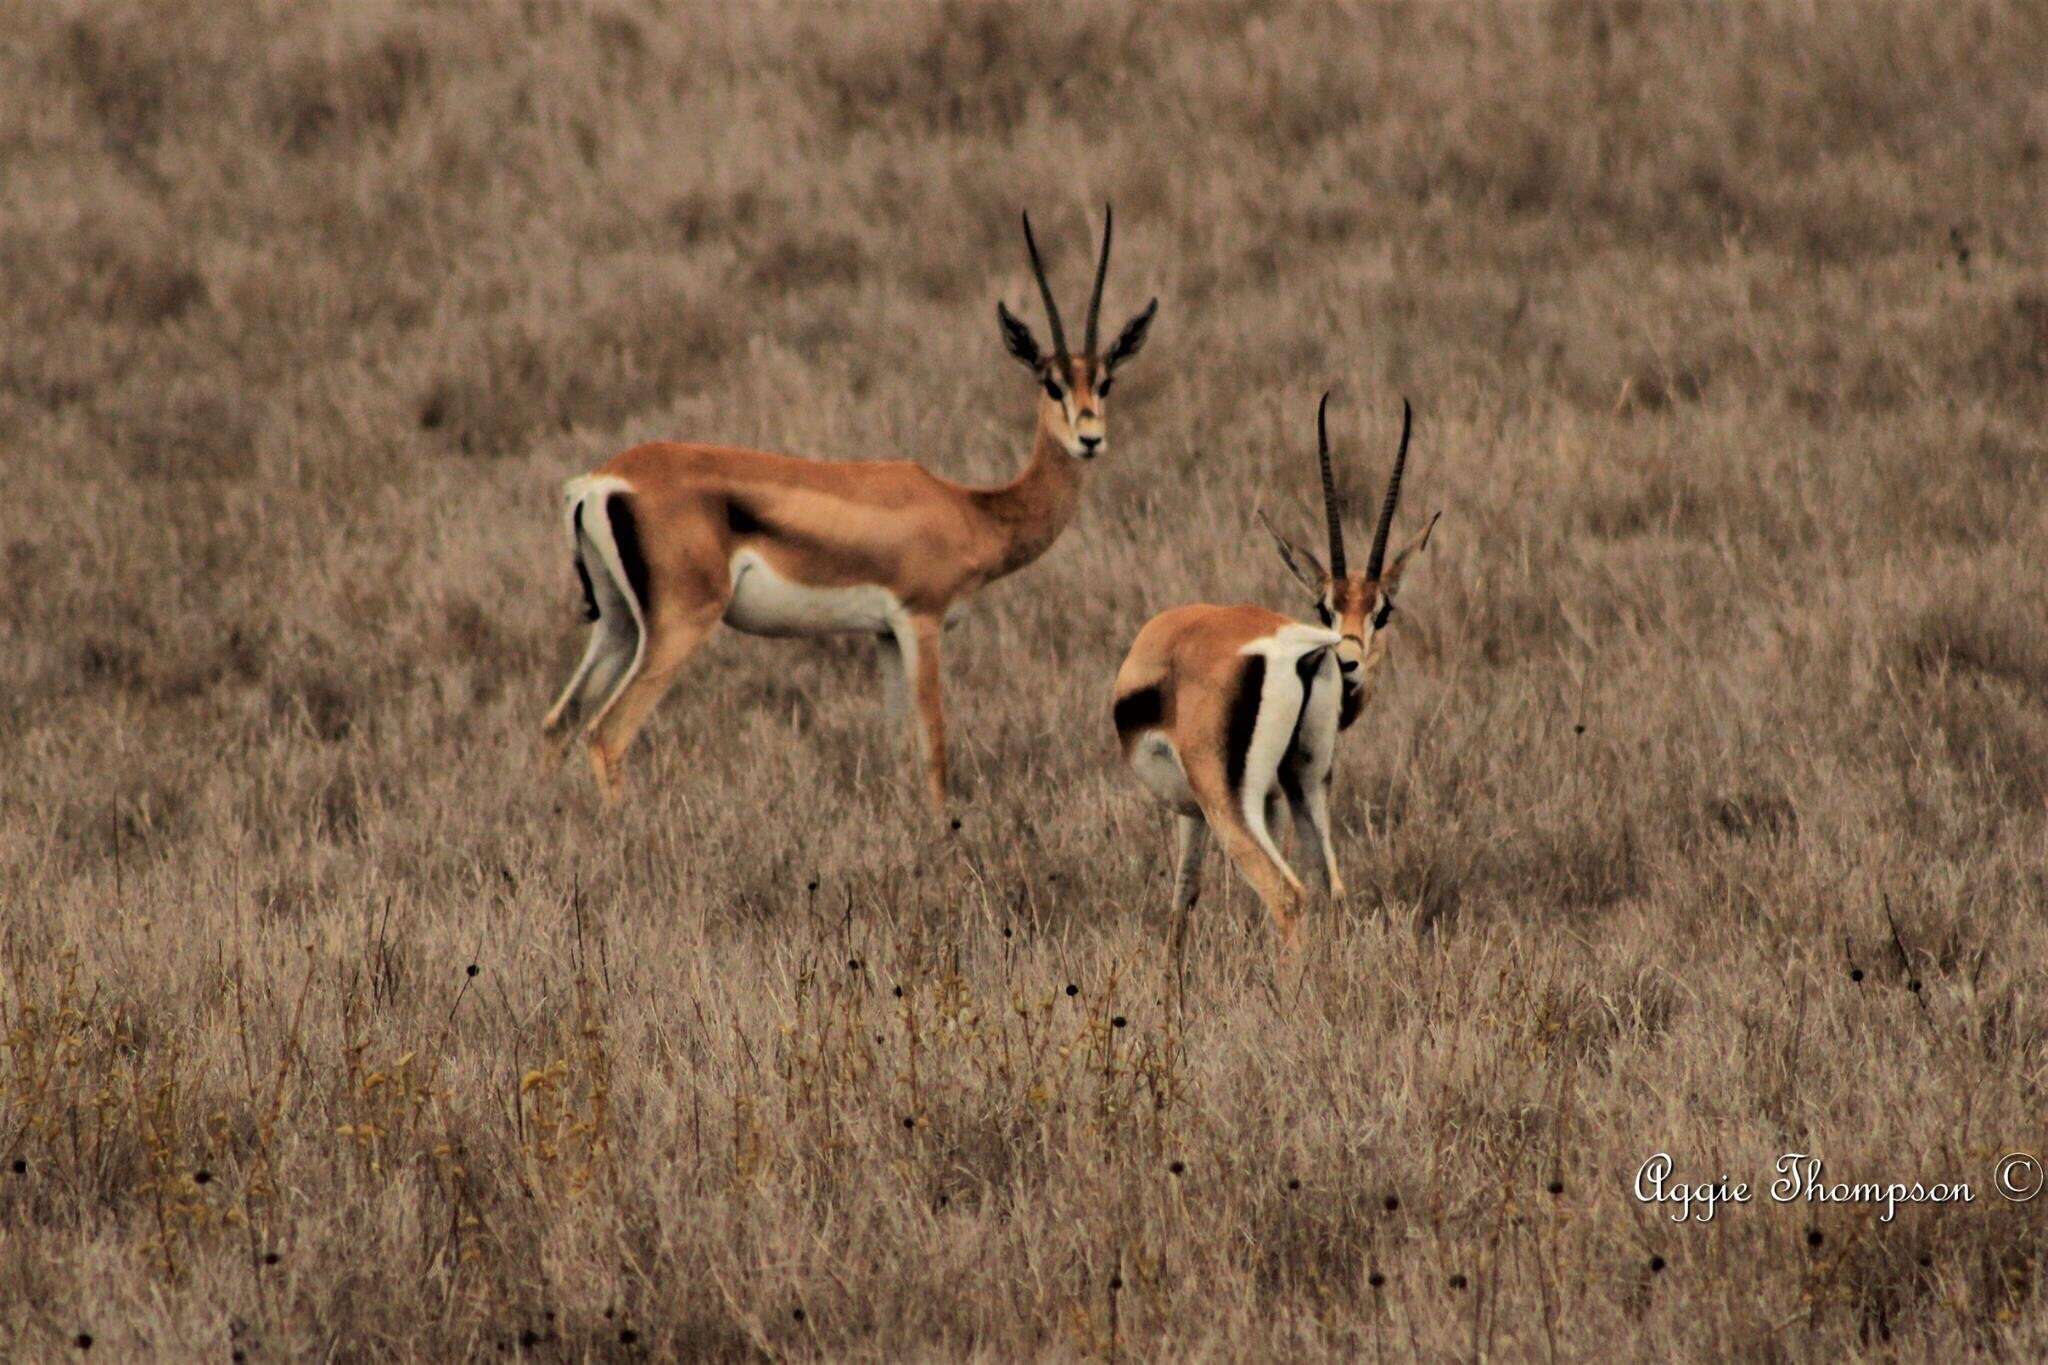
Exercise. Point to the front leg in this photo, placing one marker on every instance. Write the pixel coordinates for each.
(917, 641)
(890, 658)
(1192, 840)
(1187, 886)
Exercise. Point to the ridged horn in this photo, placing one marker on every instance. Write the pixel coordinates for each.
(1052, 312)
(1333, 506)
(1101, 273)
(1378, 557)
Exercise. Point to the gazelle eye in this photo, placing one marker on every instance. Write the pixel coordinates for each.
(1102, 389)
(1384, 614)
(1324, 614)
(1053, 391)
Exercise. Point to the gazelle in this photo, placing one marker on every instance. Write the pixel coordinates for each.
(1228, 714)
(670, 539)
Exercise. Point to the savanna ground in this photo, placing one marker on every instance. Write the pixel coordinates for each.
(330, 1030)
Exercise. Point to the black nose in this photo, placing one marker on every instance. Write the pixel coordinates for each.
(1090, 442)
(1348, 665)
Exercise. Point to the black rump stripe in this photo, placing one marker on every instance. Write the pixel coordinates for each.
(1244, 718)
(626, 535)
(590, 612)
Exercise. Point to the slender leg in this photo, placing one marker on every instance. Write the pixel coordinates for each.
(1193, 840)
(1252, 851)
(1358, 693)
(917, 638)
(608, 656)
(1276, 812)
(1261, 813)
(563, 712)
(614, 639)
(668, 646)
(1277, 887)
(1312, 830)
(895, 682)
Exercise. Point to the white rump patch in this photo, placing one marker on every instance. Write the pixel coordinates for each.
(618, 638)
(1281, 697)
(1315, 737)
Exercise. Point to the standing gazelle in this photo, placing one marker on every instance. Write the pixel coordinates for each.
(1229, 713)
(670, 539)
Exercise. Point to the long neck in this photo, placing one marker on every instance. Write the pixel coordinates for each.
(1032, 509)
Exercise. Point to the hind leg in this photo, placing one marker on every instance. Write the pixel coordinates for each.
(1251, 849)
(614, 639)
(1276, 813)
(668, 647)
(612, 642)
(1312, 833)
(1278, 888)
(1263, 813)
(1193, 841)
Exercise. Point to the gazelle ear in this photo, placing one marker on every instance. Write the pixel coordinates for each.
(1392, 576)
(1017, 338)
(1131, 339)
(1303, 565)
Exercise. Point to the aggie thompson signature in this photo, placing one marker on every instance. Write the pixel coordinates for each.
(1801, 1179)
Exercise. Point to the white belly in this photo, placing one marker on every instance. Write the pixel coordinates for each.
(765, 603)
(1157, 765)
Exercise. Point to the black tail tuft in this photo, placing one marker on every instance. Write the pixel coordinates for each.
(590, 612)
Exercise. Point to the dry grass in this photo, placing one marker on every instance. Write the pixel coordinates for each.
(330, 1032)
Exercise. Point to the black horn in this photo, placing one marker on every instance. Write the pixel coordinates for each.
(1379, 535)
(1052, 312)
(1333, 506)
(1101, 273)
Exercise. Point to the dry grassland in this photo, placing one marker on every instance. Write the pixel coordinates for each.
(331, 1032)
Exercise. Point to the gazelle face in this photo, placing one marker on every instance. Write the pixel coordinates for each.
(1076, 386)
(1358, 606)
(1347, 606)
(1075, 402)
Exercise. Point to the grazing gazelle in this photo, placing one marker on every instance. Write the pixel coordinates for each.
(1229, 713)
(670, 539)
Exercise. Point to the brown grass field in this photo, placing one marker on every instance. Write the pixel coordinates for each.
(332, 1030)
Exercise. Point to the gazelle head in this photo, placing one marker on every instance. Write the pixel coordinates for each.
(1356, 605)
(1076, 387)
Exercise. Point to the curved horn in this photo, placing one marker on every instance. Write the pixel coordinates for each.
(1101, 273)
(1333, 506)
(1052, 312)
(1378, 556)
